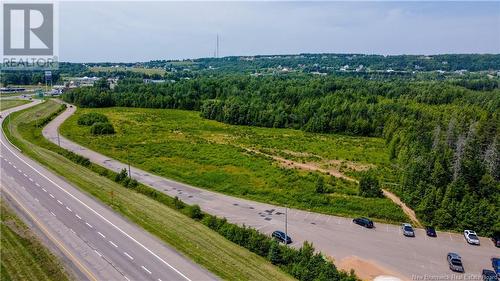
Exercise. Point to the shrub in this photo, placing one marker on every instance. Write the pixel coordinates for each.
(369, 185)
(102, 129)
(89, 119)
(194, 212)
(320, 185)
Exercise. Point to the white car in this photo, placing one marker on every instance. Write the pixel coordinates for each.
(471, 237)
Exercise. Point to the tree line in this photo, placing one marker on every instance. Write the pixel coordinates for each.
(443, 136)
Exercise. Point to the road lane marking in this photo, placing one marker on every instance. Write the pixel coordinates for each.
(126, 278)
(95, 212)
(60, 203)
(36, 199)
(111, 242)
(19, 171)
(37, 184)
(31, 180)
(68, 209)
(145, 269)
(51, 237)
(50, 194)
(129, 256)
(98, 253)
(71, 229)
(25, 175)
(78, 216)
(44, 190)
(101, 234)
(88, 224)
(14, 166)
(53, 214)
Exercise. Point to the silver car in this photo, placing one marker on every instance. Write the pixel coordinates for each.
(407, 230)
(455, 262)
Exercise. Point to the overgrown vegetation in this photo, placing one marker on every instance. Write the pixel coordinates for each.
(91, 118)
(229, 159)
(23, 257)
(169, 217)
(443, 136)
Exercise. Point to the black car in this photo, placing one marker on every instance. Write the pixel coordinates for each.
(430, 231)
(489, 275)
(363, 222)
(496, 240)
(280, 236)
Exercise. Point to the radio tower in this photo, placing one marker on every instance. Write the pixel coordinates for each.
(217, 47)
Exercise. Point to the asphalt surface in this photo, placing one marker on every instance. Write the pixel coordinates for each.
(101, 244)
(419, 258)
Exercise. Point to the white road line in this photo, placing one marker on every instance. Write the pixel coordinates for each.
(78, 216)
(71, 229)
(88, 224)
(44, 190)
(159, 279)
(60, 203)
(53, 214)
(50, 194)
(30, 179)
(97, 213)
(126, 278)
(101, 234)
(68, 209)
(129, 256)
(111, 242)
(14, 166)
(36, 199)
(98, 253)
(145, 269)
(19, 171)
(37, 184)
(10, 163)
(25, 175)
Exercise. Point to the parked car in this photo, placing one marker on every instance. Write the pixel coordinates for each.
(489, 275)
(496, 240)
(495, 263)
(430, 231)
(363, 222)
(471, 237)
(280, 236)
(408, 230)
(455, 262)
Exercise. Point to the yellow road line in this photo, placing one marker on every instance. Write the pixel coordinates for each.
(52, 238)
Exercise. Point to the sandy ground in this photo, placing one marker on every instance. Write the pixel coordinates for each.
(407, 210)
(366, 269)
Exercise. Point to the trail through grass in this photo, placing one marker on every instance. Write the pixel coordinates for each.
(242, 160)
(193, 239)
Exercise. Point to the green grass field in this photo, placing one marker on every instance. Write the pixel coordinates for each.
(263, 164)
(23, 257)
(149, 71)
(6, 104)
(191, 238)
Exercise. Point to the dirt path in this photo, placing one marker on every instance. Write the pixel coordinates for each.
(407, 210)
(367, 269)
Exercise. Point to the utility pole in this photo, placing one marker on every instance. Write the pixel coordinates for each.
(286, 225)
(128, 160)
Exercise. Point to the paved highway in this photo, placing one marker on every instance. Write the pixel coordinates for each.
(99, 242)
(383, 248)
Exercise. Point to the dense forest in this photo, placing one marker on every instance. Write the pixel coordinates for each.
(443, 136)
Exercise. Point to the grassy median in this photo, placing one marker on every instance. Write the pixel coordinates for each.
(202, 245)
(23, 257)
(6, 104)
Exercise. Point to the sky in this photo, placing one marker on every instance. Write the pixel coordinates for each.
(142, 31)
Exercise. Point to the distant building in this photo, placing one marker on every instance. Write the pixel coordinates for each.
(153, 81)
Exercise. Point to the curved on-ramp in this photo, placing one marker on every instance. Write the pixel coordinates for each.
(409, 258)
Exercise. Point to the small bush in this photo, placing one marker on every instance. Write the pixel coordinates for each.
(102, 129)
(194, 212)
(89, 119)
(369, 185)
